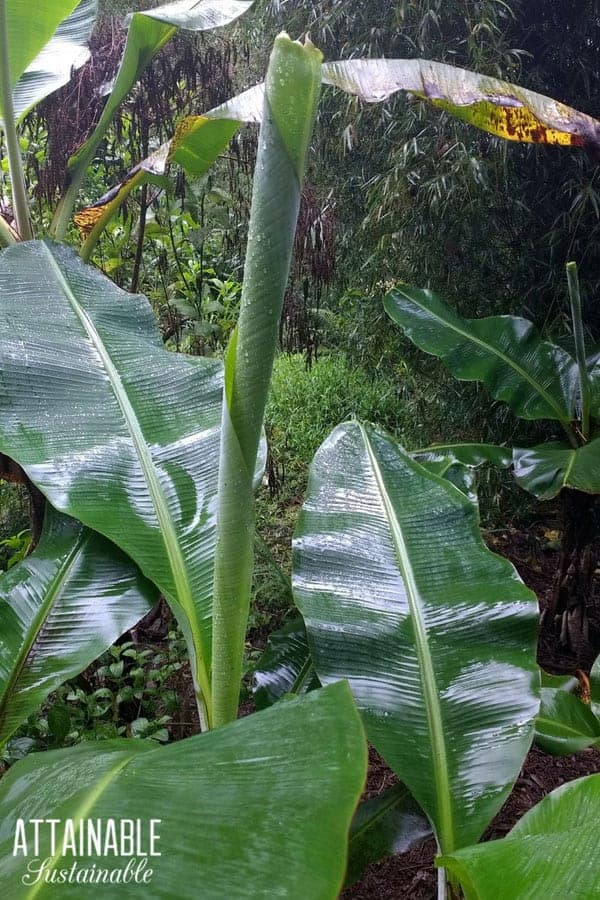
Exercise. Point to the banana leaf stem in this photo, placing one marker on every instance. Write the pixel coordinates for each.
(13, 149)
(580, 354)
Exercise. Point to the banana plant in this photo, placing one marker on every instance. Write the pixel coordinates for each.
(129, 438)
(538, 380)
(435, 634)
(170, 484)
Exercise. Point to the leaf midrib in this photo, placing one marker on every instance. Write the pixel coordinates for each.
(167, 531)
(562, 416)
(425, 663)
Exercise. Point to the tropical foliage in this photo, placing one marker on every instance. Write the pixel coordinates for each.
(148, 461)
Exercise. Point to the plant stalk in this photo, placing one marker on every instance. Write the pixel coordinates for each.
(7, 235)
(580, 354)
(13, 149)
(291, 93)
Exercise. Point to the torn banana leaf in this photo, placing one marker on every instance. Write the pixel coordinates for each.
(196, 144)
(60, 608)
(501, 108)
(496, 106)
(149, 30)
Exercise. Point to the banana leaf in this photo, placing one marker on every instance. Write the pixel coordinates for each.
(389, 823)
(27, 34)
(548, 468)
(470, 455)
(195, 145)
(537, 379)
(285, 667)
(565, 724)
(60, 608)
(495, 106)
(435, 633)
(148, 32)
(457, 463)
(551, 852)
(260, 808)
(501, 108)
(115, 430)
(53, 67)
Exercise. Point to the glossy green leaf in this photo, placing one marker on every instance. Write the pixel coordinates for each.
(28, 34)
(389, 823)
(551, 852)
(285, 667)
(537, 379)
(565, 724)
(501, 108)
(60, 608)
(462, 477)
(258, 809)
(114, 429)
(594, 375)
(548, 468)
(53, 66)
(471, 455)
(434, 632)
(457, 462)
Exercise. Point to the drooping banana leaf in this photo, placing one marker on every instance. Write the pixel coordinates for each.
(548, 468)
(389, 823)
(148, 32)
(565, 724)
(537, 379)
(260, 808)
(28, 34)
(60, 608)
(285, 667)
(195, 145)
(551, 852)
(115, 430)
(501, 108)
(53, 66)
(435, 633)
